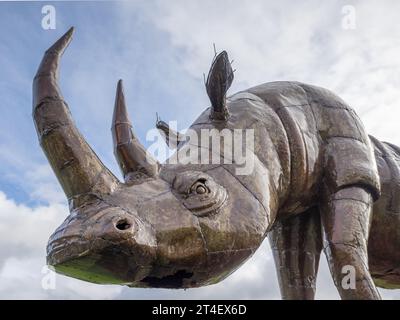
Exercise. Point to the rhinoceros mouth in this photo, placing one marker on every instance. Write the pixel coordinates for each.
(76, 257)
(66, 248)
(176, 280)
(91, 268)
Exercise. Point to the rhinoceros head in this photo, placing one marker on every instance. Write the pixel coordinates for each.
(171, 225)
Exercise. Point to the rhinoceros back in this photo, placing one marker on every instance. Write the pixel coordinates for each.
(327, 141)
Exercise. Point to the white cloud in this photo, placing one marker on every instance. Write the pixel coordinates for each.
(291, 41)
(22, 226)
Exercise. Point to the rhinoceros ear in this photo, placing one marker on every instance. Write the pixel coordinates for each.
(219, 80)
(171, 137)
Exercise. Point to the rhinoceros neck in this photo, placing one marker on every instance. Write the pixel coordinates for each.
(257, 135)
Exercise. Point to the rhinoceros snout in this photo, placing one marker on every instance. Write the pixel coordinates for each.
(109, 246)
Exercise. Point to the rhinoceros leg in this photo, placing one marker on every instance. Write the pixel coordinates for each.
(297, 243)
(346, 217)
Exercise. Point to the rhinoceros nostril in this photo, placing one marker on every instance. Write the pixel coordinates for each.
(123, 224)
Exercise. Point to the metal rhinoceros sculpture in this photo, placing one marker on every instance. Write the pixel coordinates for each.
(318, 182)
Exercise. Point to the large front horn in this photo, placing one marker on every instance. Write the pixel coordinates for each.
(76, 166)
(134, 161)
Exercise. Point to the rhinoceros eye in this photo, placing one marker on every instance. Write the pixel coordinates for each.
(199, 192)
(199, 187)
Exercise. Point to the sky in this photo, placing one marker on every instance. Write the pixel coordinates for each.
(161, 50)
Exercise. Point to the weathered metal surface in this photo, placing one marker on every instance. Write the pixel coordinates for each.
(318, 182)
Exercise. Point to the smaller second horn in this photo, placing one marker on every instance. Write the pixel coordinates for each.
(134, 161)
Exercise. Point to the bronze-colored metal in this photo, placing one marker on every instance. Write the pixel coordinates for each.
(319, 182)
(172, 138)
(134, 161)
(76, 166)
(218, 82)
(296, 244)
